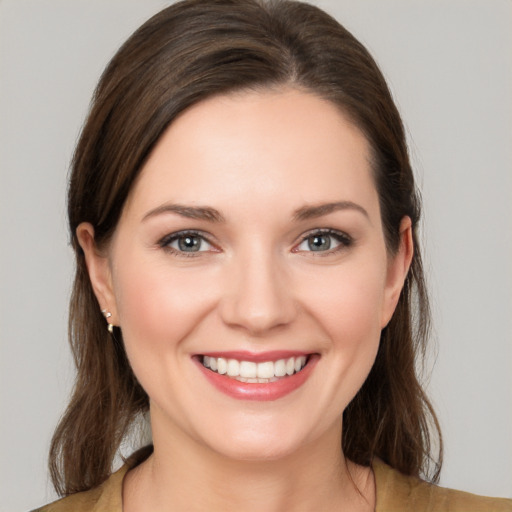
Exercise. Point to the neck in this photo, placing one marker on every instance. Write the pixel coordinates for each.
(181, 475)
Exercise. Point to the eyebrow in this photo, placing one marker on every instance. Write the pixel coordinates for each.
(314, 211)
(190, 212)
(212, 215)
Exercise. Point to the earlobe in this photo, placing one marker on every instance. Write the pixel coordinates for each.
(398, 268)
(99, 270)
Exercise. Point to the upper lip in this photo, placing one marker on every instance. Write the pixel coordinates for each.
(257, 357)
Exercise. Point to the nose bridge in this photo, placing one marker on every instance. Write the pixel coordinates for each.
(258, 297)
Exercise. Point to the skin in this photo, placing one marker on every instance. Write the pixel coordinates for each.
(257, 158)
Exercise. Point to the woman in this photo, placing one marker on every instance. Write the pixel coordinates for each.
(244, 217)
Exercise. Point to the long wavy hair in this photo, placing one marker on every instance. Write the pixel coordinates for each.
(188, 52)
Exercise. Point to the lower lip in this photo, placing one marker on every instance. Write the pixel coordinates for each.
(256, 391)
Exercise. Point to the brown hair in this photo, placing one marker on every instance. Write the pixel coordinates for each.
(190, 51)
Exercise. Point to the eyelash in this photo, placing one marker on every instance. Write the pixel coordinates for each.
(166, 241)
(344, 241)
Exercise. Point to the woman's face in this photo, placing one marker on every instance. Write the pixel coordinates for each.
(250, 247)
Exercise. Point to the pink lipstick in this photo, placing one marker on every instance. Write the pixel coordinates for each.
(264, 376)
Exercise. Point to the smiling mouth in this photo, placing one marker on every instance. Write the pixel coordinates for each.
(252, 372)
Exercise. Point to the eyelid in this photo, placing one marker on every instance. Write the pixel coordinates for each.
(344, 239)
(165, 242)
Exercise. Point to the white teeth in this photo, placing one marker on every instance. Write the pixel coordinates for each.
(299, 363)
(255, 381)
(233, 368)
(222, 366)
(280, 368)
(266, 370)
(290, 366)
(249, 371)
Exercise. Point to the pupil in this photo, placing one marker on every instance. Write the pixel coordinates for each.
(319, 243)
(189, 243)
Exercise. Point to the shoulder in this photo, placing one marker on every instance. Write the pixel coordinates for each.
(400, 493)
(105, 498)
(79, 502)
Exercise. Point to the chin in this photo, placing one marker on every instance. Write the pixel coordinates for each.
(261, 450)
(266, 441)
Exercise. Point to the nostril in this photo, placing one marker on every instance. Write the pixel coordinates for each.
(257, 319)
(258, 298)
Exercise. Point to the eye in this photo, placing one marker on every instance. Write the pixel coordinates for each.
(186, 242)
(323, 241)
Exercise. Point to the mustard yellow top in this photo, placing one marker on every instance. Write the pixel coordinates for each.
(395, 493)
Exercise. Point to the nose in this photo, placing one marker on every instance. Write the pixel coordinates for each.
(258, 297)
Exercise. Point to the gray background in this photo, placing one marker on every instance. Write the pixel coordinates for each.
(450, 68)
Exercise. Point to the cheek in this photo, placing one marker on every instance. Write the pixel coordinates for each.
(348, 301)
(157, 307)
(348, 309)
(344, 302)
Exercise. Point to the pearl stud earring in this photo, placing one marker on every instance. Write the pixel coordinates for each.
(107, 315)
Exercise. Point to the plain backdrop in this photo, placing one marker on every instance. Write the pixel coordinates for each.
(449, 65)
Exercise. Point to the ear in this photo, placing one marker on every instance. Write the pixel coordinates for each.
(98, 267)
(398, 267)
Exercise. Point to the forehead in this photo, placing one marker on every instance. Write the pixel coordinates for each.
(286, 145)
